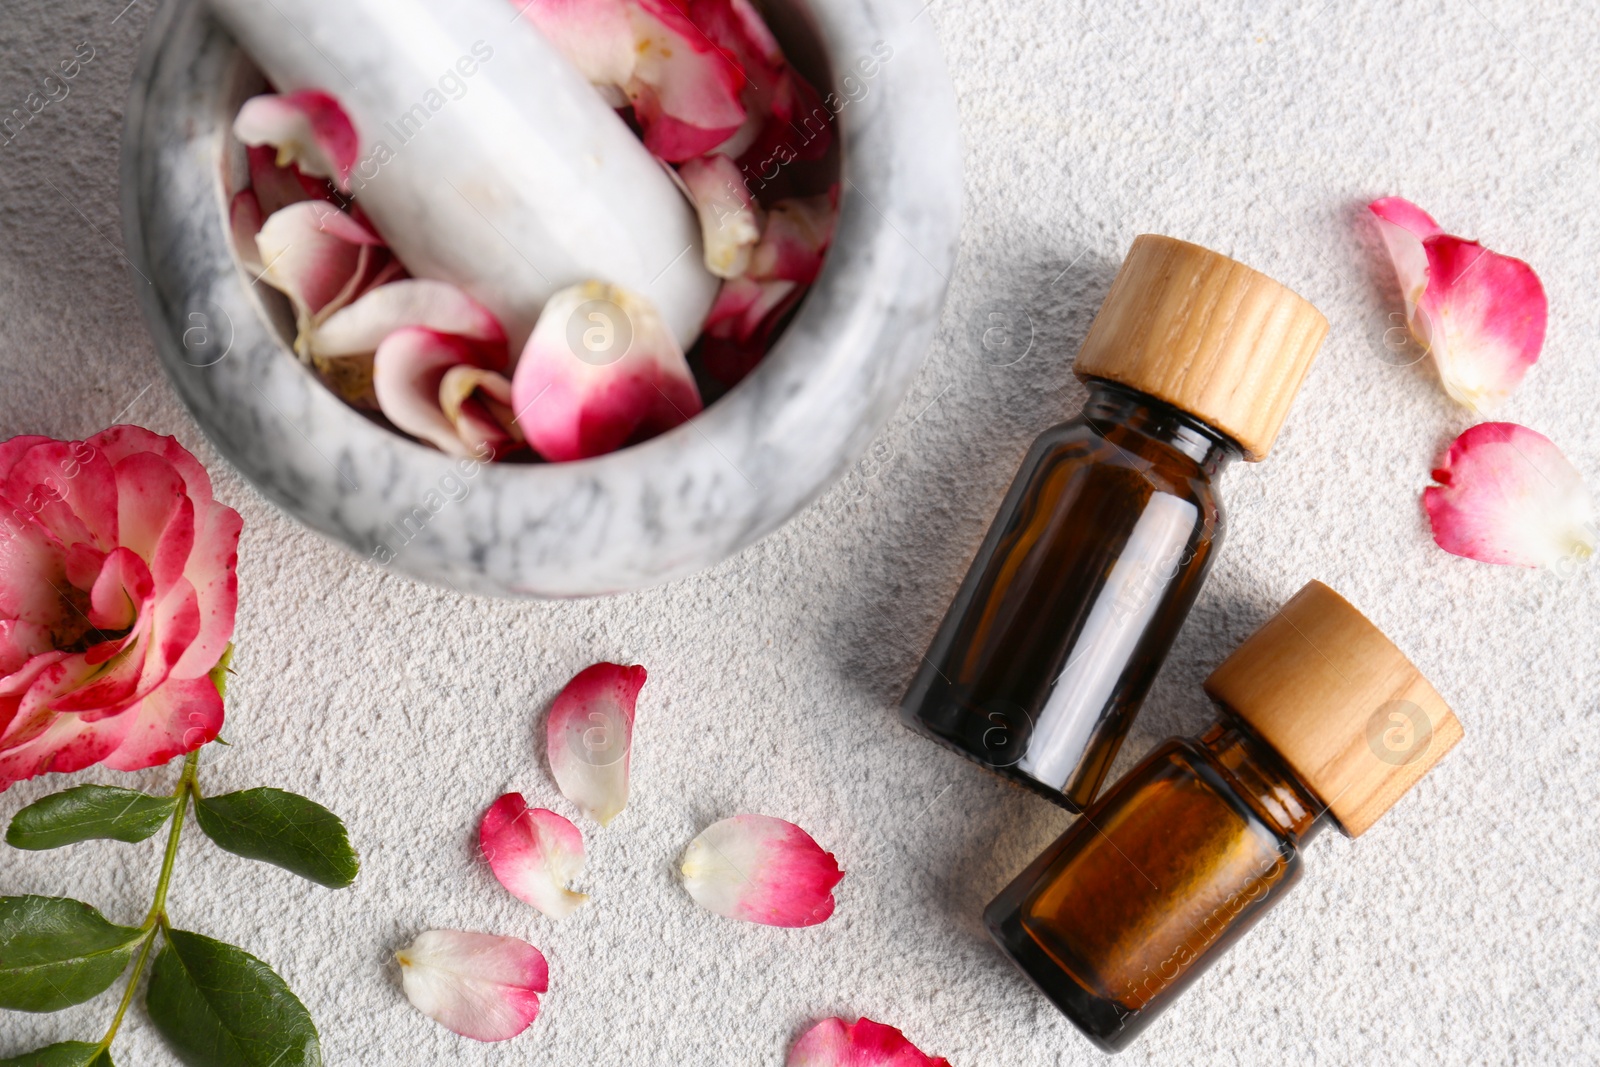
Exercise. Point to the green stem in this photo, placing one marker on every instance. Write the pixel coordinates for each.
(127, 994)
(186, 786)
(156, 918)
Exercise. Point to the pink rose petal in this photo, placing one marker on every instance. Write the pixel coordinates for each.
(477, 403)
(410, 372)
(798, 233)
(863, 1043)
(1404, 226)
(317, 256)
(739, 328)
(1483, 317)
(749, 308)
(685, 90)
(784, 116)
(308, 128)
(762, 870)
(359, 328)
(244, 222)
(600, 370)
(534, 853)
(1480, 315)
(596, 36)
(277, 187)
(1506, 494)
(730, 218)
(481, 986)
(590, 737)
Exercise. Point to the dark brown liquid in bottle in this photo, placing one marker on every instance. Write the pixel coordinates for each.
(1156, 880)
(1076, 595)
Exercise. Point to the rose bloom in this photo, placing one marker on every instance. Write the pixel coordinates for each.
(117, 597)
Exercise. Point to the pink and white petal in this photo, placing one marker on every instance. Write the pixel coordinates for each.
(70, 487)
(277, 187)
(155, 517)
(133, 666)
(1482, 317)
(12, 449)
(120, 589)
(407, 371)
(245, 219)
(478, 404)
(791, 122)
(308, 128)
(784, 117)
(596, 36)
(797, 235)
(685, 90)
(66, 744)
(730, 219)
(26, 695)
(534, 853)
(600, 370)
(211, 570)
(213, 557)
(124, 439)
(439, 306)
(33, 580)
(763, 870)
(1506, 494)
(590, 737)
(311, 252)
(1404, 226)
(20, 641)
(481, 986)
(740, 325)
(179, 717)
(863, 1043)
(744, 308)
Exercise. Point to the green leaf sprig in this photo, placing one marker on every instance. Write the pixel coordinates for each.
(214, 1004)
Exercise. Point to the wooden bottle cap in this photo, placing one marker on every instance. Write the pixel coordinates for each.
(1206, 334)
(1339, 702)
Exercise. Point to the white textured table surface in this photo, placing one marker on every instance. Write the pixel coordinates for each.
(1463, 929)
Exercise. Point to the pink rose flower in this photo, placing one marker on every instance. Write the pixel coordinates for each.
(117, 598)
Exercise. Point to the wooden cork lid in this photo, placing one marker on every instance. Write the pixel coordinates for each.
(1206, 334)
(1339, 702)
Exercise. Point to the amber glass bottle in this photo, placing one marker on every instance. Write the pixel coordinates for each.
(1111, 524)
(1322, 718)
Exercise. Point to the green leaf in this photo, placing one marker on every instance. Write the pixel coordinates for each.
(219, 673)
(56, 952)
(89, 811)
(64, 1054)
(284, 829)
(219, 1006)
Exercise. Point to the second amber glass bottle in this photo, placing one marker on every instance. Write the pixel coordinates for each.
(1322, 718)
(1108, 531)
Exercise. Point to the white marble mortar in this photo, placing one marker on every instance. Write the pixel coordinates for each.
(648, 514)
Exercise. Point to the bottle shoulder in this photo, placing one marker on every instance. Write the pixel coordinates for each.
(1085, 442)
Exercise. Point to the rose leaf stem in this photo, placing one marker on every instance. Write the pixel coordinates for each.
(156, 917)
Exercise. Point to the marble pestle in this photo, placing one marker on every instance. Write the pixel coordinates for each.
(486, 159)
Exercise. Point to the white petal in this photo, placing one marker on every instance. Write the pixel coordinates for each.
(481, 986)
(730, 223)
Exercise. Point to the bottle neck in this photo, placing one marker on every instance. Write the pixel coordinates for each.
(1262, 780)
(1115, 410)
